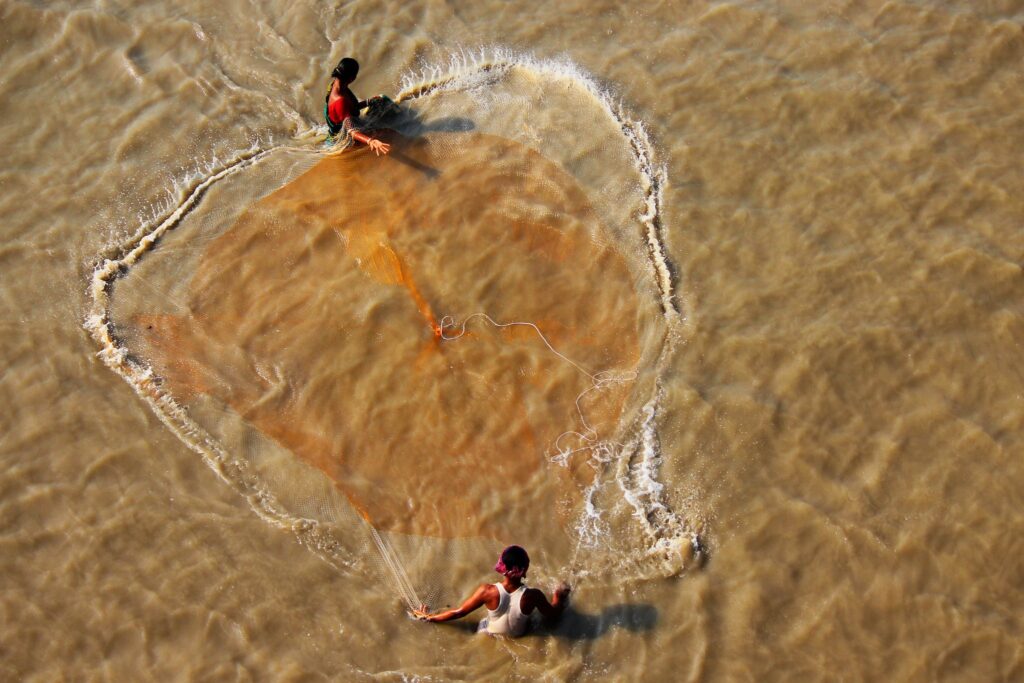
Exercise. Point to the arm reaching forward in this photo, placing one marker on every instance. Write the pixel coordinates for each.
(478, 598)
(376, 145)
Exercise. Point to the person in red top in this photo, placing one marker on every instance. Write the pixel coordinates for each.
(341, 106)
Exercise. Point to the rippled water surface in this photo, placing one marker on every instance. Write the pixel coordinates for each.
(777, 246)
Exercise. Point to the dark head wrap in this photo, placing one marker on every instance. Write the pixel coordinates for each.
(347, 69)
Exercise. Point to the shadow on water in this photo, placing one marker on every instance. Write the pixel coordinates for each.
(403, 158)
(573, 625)
(411, 125)
(578, 626)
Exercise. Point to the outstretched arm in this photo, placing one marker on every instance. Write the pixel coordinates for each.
(376, 145)
(474, 601)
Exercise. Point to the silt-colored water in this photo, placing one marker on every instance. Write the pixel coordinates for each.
(838, 410)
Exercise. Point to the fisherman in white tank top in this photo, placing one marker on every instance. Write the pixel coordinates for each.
(509, 603)
(508, 619)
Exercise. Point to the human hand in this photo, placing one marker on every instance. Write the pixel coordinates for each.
(562, 590)
(422, 613)
(378, 147)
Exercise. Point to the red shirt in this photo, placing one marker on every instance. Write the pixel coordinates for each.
(343, 108)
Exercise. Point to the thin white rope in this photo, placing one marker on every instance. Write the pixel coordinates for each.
(599, 380)
(402, 582)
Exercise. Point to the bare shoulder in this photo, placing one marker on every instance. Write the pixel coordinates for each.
(487, 595)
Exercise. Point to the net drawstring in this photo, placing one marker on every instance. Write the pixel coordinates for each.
(400, 578)
(599, 380)
(592, 444)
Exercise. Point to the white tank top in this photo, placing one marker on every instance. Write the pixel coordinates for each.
(507, 619)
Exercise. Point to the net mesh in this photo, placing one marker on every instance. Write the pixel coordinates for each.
(412, 361)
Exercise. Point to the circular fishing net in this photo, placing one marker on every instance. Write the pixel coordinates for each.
(413, 360)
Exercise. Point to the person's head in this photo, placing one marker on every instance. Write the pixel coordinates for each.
(513, 562)
(346, 71)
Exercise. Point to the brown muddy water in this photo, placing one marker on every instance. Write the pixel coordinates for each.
(635, 275)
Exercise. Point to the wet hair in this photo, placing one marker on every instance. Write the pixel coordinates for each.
(347, 69)
(513, 562)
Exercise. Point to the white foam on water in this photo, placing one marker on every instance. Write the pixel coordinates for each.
(673, 541)
(471, 70)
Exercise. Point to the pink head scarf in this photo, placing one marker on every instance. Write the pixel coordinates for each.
(513, 562)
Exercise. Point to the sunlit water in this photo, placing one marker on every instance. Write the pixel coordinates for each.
(837, 408)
